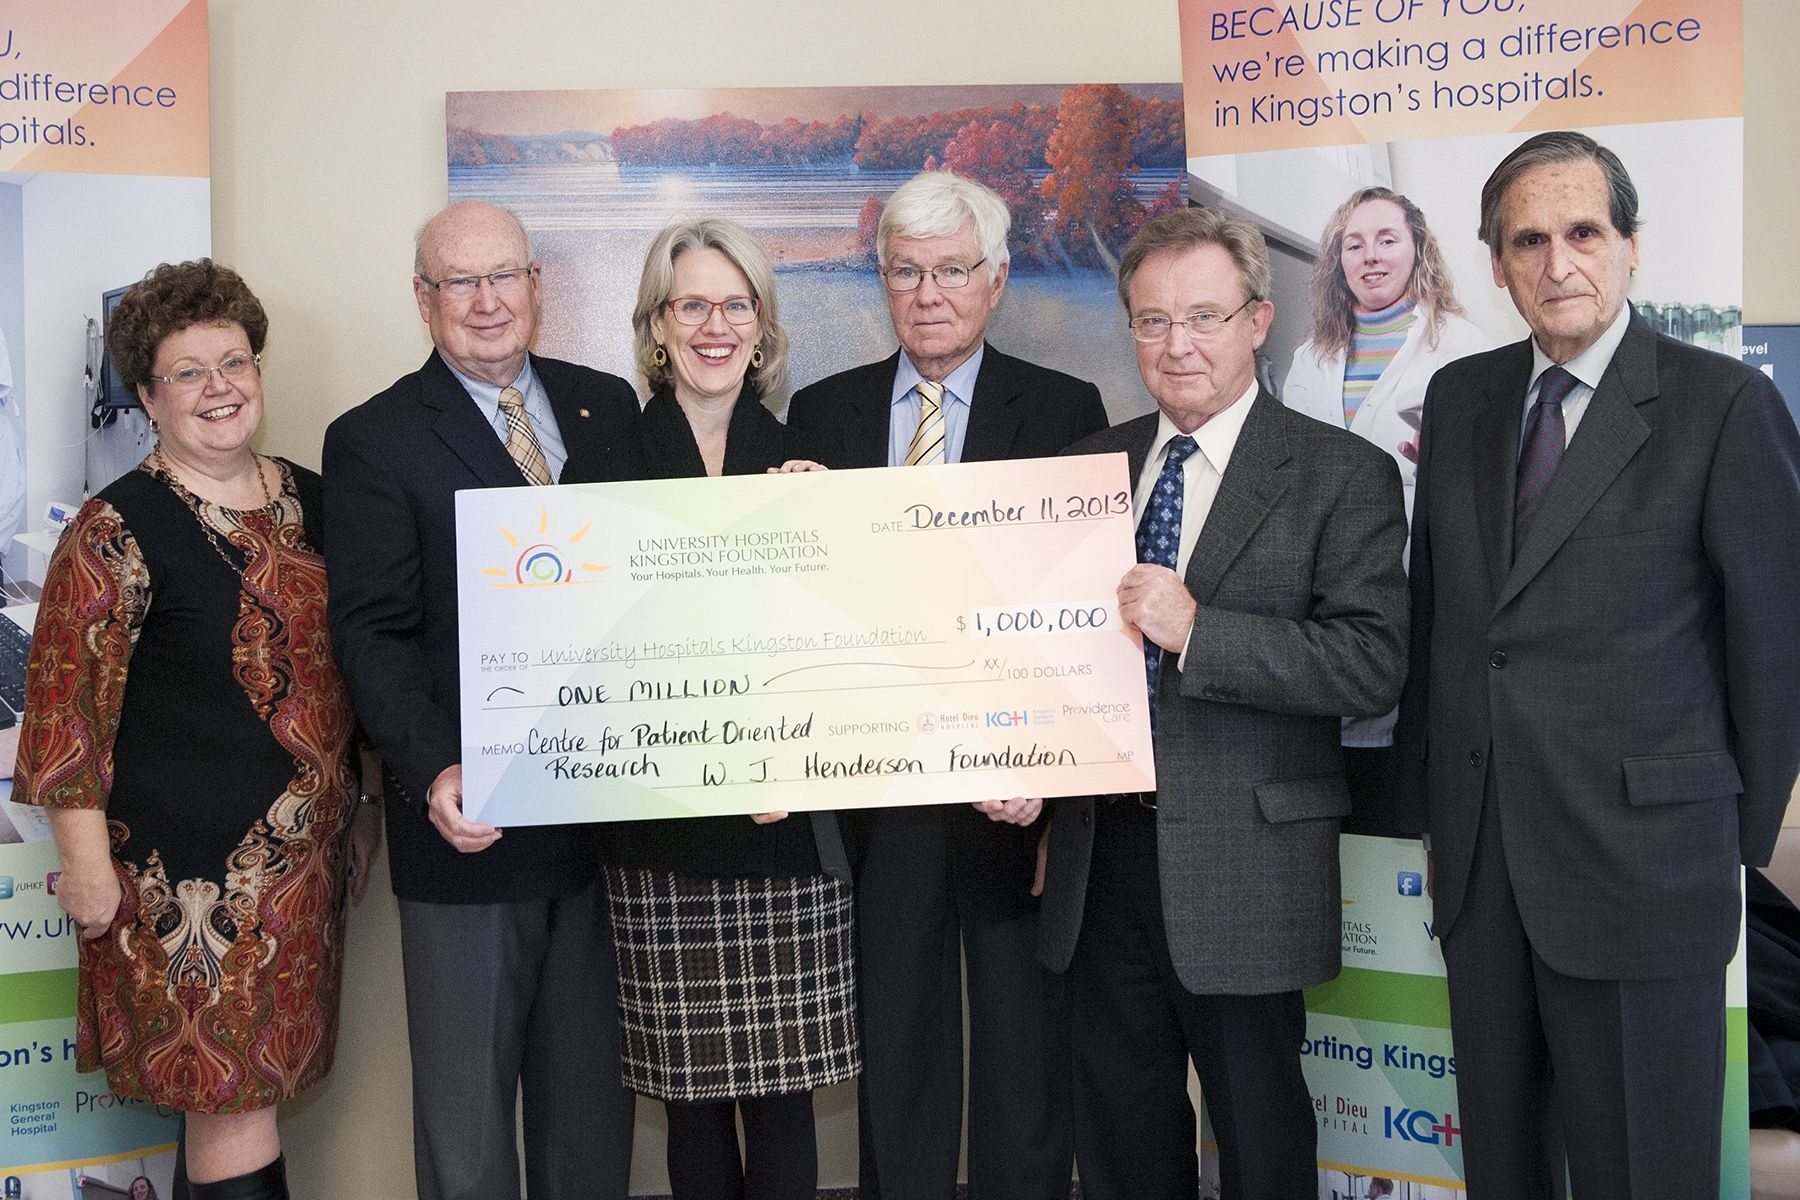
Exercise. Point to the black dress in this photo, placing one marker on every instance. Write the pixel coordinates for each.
(182, 680)
(736, 951)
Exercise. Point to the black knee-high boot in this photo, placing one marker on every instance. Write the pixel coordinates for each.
(265, 1183)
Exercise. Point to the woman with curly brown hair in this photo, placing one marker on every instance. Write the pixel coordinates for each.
(186, 729)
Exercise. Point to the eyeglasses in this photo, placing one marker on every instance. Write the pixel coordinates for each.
(948, 275)
(464, 287)
(192, 379)
(1199, 325)
(692, 310)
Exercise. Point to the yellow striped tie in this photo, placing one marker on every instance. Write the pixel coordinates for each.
(928, 439)
(521, 439)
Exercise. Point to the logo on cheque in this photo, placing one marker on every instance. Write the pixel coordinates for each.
(541, 563)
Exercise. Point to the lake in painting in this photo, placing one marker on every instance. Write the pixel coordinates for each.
(593, 201)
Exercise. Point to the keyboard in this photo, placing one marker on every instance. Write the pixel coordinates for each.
(15, 648)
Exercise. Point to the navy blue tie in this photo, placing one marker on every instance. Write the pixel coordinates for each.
(1159, 538)
(1545, 439)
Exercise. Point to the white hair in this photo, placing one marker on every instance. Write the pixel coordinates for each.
(940, 204)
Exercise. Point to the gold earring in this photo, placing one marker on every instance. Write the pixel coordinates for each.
(756, 359)
(660, 357)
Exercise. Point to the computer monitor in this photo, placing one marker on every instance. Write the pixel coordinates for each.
(112, 393)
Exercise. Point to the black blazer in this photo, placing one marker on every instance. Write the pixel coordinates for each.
(1623, 680)
(662, 446)
(392, 467)
(1019, 410)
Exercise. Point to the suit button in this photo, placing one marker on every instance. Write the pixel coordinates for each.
(1474, 758)
(1497, 659)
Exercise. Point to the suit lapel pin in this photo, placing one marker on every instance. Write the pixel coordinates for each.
(584, 412)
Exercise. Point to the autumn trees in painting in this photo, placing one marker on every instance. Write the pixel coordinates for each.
(725, 140)
(1067, 170)
(1070, 170)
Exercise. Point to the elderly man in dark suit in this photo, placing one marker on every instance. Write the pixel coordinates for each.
(1601, 714)
(1272, 601)
(505, 941)
(936, 885)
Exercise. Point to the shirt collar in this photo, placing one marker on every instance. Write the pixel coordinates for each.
(1590, 365)
(1218, 437)
(488, 394)
(959, 385)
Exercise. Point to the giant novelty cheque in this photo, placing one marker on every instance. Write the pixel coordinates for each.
(833, 639)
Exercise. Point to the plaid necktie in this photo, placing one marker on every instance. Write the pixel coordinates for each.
(521, 439)
(927, 446)
(1159, 538)
(1545, 439)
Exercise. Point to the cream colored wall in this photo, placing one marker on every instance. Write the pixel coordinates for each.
(1771, 176)
(328, 149)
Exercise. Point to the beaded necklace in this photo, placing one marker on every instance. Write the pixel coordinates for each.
(160, 465)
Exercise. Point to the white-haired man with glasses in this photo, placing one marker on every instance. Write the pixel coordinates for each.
(1271, 598)
(938, 888)
(506, 947)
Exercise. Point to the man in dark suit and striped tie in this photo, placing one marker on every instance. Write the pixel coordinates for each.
(937, 887)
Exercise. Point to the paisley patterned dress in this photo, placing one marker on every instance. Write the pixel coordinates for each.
(181, 679)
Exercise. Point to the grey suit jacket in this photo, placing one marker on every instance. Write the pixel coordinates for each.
(1628, 674)
(1301, 621)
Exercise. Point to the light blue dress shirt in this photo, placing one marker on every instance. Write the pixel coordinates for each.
(903, 417)
(537, 410)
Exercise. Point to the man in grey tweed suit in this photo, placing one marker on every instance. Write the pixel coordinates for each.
(1190, 918)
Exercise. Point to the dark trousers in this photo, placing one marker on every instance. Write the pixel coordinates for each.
(511, 997)
(918, 921)
(1376, 807)
(1633, 1071)
(780, 1160)
(1136, 1029)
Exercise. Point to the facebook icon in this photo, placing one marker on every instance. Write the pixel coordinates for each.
(1411, 883)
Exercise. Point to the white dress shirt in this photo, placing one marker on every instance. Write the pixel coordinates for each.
(1200, 474)
(1587, 368)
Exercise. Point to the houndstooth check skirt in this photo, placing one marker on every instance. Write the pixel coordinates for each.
(733, 986)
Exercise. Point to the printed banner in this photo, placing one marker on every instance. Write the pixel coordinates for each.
(103, 174)
(62, 1127)
(1273, 76)
(113, 88)
(830, 639)
(1378, 1053)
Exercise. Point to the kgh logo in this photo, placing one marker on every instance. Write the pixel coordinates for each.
(1418, 1125)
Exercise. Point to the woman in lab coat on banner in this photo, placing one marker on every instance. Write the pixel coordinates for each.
(1385, 318)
